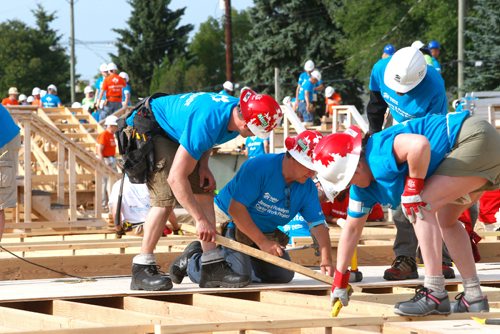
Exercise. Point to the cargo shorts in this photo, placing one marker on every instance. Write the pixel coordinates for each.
(159, 190)
(8, 172)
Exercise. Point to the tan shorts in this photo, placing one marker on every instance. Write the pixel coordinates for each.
(159, 190)
(476, 153)
(8, 173)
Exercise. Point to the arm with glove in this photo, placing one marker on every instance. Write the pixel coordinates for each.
(415, 150)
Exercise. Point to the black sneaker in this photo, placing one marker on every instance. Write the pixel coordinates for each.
(220, 275)
(403, 267)
(424, 302)
(149, 278)
(448, 271)
(461, 305)
(178, 269)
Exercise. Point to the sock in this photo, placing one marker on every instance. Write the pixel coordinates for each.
(472, 289)
(435, 283)
(211, 256)
(145, 259)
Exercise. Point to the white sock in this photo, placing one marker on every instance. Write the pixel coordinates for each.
(211, 256)
(472, 289)
(145, 259)
(435, 283)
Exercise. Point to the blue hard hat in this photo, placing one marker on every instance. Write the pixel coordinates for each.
(389, 49)
(433, 45)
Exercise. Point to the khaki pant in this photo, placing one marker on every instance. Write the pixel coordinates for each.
(9, 155)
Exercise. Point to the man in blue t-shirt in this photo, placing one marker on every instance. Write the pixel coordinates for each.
(9, 147)
(306, 97)
(255, 146)
(51, 100)
(419, 91)
(434, 166)
(435, 50)
(192, 124)
(267, 192)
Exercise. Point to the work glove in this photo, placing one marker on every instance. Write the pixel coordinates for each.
(411, 201)
(341, 290)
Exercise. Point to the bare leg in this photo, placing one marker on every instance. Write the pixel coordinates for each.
(153, 228)
(172, 218)
(206, 202)
(431, 243)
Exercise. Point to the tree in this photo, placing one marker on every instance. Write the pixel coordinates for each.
(153, 35)
(483, 44)
(33, 57)
(285, 34)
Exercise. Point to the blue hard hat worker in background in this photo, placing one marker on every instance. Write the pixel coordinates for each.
(433, 45)
(389, 50)
(435, 49)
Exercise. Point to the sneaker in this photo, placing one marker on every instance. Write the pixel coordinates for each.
(461, 305)
(403, 267)
(220, 274)
(149, 278)
(178, 269)
(424, 302)
(448, 271)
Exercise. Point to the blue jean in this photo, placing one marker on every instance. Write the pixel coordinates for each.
(242, 264)
(306, 116)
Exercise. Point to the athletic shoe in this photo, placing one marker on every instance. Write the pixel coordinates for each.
(424, 302)
(403, 267)
(461, 304)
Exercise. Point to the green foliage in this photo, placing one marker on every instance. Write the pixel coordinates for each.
(153, 37)
(483, 44)
(32, 57)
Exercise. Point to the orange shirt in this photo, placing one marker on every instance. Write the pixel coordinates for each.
(334, 100)
(107, 139)
(113, 85)
(9, 102)
(37, 102)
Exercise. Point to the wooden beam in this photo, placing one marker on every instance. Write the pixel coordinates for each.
(133, 329)
(60, 173)
(72, 185)
(27, 170)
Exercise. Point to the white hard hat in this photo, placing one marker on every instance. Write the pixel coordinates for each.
(30, 99)
(88, 89)
(52, 87)
(309, 66)
(43, 93)
(111, 120)
(316, 75)
(112, 67)
(22, 97)
(76, 105)
(228, 85)
(13, 90)
(35, 91)
(417, 45)
(103, 67)
(301, 147)
(124, 75)
(329, 91)
(405, 70)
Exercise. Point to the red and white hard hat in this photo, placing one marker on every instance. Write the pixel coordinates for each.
(260, 112)
(301, 147)
(337, 155)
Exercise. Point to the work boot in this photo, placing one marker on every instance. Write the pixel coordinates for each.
(461, 305)
(403, 267)
(448, 271)
(219, 274)
(178, 269)
(424, 302)
(148, 277)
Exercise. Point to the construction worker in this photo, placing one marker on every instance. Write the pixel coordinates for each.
(127, 90)
(51, 100)
(106, 151)
(255, 146)
(9, 146)
(191, 124)
(103, 68)
(23, 100)
(332, 98)
(36, 97)
(435, 49)
(267, 192)
(306, 97)
(389, 50)
(435, 167)
(112, 86)
(420, 91)
(11, 100)
(88, 101)
(227, 88)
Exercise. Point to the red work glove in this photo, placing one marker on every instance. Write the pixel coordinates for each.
(411, 201)
(340, 287)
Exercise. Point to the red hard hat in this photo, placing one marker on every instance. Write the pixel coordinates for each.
(260, 112)
(337, 155)
(301, 147)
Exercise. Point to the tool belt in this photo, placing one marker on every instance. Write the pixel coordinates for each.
(135, 144)
(277, 236)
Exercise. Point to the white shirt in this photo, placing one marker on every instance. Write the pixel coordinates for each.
(135, 201)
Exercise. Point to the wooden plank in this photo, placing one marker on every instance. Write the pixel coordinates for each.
(98, 193)
(439, 327)
(27, 171)
(58, 224)
(133, 329)
(60, 173)
(72, 185)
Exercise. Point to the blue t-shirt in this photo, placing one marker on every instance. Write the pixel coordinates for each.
(428, 97)
(260, 186)
(98, 87)
(386, 189)
(255, 146)
(297, 227)
(436, 64)
(9, 127)
(308, 87)
(197, 121)
(50, 101)
(223, 92)
(127, 90)
(303, 77)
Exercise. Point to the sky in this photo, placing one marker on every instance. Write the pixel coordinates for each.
(95, 19)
